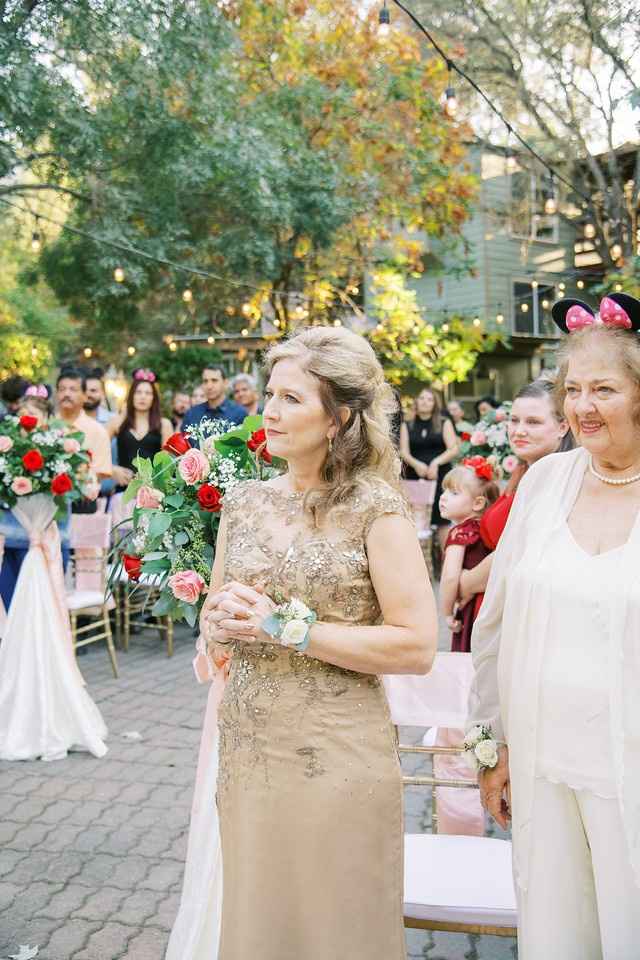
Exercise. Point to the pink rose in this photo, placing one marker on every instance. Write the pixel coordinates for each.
(478, 438)
(500, 416)
(5, 444)
(91, 490)
(193, 467)
(21, 486)
(186, 585)
(70, 445)
(149, 498)
(509, 463)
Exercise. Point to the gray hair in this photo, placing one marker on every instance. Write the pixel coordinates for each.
(244, 378)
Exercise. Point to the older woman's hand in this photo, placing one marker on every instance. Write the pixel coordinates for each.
(495, 789)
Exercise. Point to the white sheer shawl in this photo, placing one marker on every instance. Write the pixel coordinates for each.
(508, 647)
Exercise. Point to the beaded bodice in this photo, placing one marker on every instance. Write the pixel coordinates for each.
(272, 540)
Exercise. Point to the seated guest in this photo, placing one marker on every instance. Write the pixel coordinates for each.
(244, 391)
(180, 403)
(216, 405)
(140, 430)
(485, 405)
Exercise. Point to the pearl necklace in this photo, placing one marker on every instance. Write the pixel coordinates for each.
(614, 483)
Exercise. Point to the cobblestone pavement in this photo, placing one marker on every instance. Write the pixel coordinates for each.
(92, 851)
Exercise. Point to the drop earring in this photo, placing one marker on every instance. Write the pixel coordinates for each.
(330, 445)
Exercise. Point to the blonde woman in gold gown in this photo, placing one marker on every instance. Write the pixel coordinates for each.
(309, 793)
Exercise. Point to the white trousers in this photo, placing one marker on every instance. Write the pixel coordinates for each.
(582, 902)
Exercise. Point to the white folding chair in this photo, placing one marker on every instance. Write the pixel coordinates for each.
(458, 884)
(89, 539)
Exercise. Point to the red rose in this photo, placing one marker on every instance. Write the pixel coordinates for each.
(210, 498)
(132, 566)
(465, 436)
(485, 471)
(259, 439)
(33, 460)
(177, 443)
(28, 423)
(60, 484)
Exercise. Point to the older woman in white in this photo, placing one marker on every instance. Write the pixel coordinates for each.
(557, 657)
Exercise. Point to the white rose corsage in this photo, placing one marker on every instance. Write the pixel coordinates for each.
(481, 750)
(290, 624)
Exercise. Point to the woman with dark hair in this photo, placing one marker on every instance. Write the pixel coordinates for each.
(141, 429)
(536, 428)
(485, 405)
(428, 444)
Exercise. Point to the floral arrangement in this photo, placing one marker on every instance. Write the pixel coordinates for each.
(178, 498)
(39, 459)
(481, 750)
(489, 440)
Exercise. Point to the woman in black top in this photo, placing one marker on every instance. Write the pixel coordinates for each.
(428, 444)
(140, 430)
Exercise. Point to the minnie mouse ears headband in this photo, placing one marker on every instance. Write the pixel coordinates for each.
(618, 310)
(37, 390)
(147, 375)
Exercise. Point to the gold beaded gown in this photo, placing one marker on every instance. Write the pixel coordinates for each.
(309, 786)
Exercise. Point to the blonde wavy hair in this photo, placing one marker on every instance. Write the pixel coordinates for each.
(349, 375)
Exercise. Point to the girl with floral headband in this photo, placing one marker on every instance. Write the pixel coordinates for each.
(468, 490)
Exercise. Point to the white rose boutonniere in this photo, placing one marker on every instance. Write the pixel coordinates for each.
(290, 624)
(487, 753)
(473, 736)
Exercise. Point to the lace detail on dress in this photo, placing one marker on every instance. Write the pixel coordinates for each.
(272, 541)
(464, 534)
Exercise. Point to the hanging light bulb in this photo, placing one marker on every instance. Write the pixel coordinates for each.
(384, 22)
(545, 304)
(131, 351)
(524, 307)
(187, 295)
(450, 99)
(246, 309)
(562, 286)
(118, 275)
(87, 352)
(589, 231)
(245, 332)
(173, 346)
(499, 318)
(445, 328)
(618, 288)
(550, 206)
(534, 284)
(476, 321)
(36, 243)
(580, 284)
(616, 251)
(211, 340)
(337, 323)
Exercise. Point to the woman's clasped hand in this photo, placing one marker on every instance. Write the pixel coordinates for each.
(236, 612)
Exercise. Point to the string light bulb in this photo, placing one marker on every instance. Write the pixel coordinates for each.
(476, 321)
(337, 323)
(550, 206)
(87, 352)
(118, 275)
(499, 317)
(211, 340)
(562, 286)
(131, 351)
(187, 295)
(524, 307)
(618, 288)
(244, 332)
(36, 243)
(616, 251)
(173, 346)
(445, 328)
(545, 304)
(384, 22)
(246, 309)
(534, 284)
(589, 231)
(580, 284)
(450, 99)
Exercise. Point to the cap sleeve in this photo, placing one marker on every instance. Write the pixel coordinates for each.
(383, 500)
(464, 534)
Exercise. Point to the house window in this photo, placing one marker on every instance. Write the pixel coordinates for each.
(529, 193)
(532, 308)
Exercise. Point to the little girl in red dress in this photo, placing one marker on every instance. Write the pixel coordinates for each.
(468, 490)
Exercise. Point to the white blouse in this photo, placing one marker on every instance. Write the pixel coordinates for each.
(574, 744)
(511, 644)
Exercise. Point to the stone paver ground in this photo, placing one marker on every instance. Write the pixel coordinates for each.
(92, 851)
